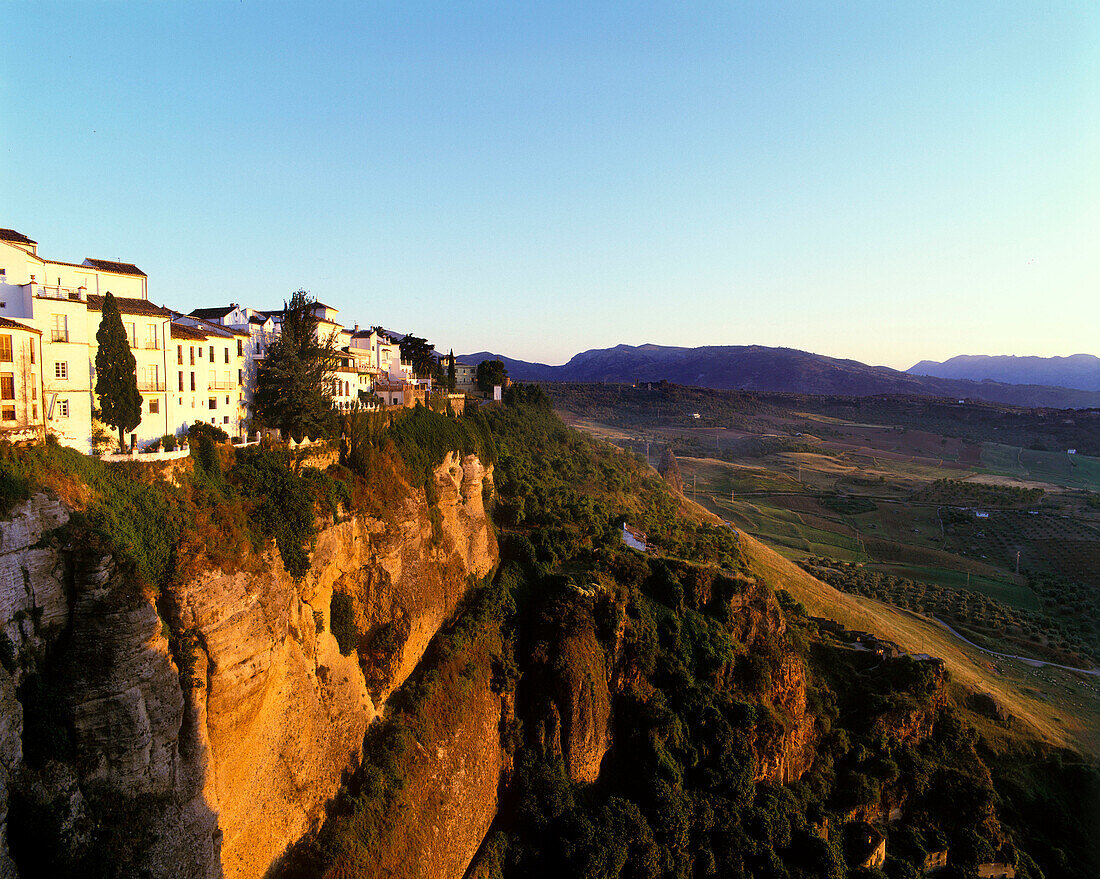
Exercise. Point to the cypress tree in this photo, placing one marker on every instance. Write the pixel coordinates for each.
(451, 371)
(294, 383)
(116, 373)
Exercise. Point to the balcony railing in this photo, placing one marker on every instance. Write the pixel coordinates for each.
(76, 294)
(150, 385)
(221, 386)
(59, 335)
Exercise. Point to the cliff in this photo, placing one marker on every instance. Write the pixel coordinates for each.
(215, 721)
(566, 677)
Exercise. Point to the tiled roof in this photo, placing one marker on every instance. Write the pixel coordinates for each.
(208, 313)
(129, 306)
(108, 265)
(12, 235)
(7, 324)
(183, 331)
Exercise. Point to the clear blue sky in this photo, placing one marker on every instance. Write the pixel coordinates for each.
(885, 181)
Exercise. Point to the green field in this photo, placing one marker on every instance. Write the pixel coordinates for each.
(1057, 468)
(1011, 594)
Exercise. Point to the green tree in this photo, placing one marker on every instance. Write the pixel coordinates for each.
(116, 373)
(294, 382)
(451, 383)
(490, 373)
(419, 353)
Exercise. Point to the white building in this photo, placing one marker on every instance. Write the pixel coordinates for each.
(21, 413)
(208, 375)
(62, 300)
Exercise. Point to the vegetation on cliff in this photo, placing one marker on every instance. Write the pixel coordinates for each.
(673, 715)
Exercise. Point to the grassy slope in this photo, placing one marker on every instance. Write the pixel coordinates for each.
(1062, 722)
(1060, 707)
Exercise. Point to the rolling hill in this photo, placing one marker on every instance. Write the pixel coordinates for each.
(759, 368)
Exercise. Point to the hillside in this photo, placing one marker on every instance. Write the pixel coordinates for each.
(246, 666)
(1080, 371)
(759, 368)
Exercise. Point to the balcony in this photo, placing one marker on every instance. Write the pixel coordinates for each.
(74, 294)
(150, 386)
(59, 335)
(221, 386)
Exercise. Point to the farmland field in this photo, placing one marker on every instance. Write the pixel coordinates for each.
(1056, 468)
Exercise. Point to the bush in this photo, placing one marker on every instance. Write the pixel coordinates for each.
(342, 617)
(283, 503)
(201, 428)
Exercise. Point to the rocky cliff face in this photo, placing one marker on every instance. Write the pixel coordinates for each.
(568, 686)
(782, 758)
(221, 725)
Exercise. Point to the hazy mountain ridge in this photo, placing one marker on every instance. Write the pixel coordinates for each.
(1079, 371)
(760, 368)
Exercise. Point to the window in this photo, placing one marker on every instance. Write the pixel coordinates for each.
(59, 328)
(192, 381)
(211, 353)
(211, 380)
(154, 407)
(5, 348)
(34, 392)
(182, 388)
(226, 355)
(34, 411)
(179, 355)
(152, 340)
(7, 385)
(240, 348)
(62, 408)
(225, 419)
(213, 402)
(131, 332)
(192, 355)
(240, 376)
(7, 412)
(32, 351)
(61, 370)
(225, 379)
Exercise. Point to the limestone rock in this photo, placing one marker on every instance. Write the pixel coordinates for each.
(569, 679)
(669, 468)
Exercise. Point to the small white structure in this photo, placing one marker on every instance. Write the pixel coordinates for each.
(981, 514)
(634, 538)
(496, 393)
(1071, 451)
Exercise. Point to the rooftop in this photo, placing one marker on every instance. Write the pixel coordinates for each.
(12, 235)
(183, 331)
(109, 265)
(209, 313)
(7, 324)
(129, 306)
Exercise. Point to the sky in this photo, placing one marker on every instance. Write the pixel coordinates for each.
(885, 181)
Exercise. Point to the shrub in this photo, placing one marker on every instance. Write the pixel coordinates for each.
(342, 622)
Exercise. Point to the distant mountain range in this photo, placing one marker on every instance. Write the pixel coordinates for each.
(757, 368)
(1081, 371)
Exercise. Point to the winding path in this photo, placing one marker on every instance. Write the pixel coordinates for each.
(1037, 663)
